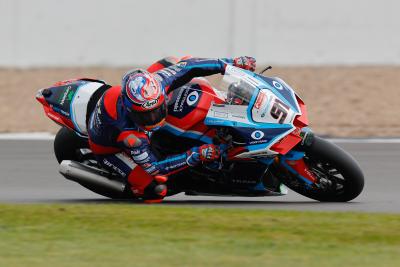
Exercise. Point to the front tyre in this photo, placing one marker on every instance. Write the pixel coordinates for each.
(340, 177)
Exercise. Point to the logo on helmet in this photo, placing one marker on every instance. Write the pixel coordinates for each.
(150, 104)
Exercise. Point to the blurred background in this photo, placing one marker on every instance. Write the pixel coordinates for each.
(342, 57)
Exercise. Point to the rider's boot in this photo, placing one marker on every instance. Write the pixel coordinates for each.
(155, 193)
(157, 190)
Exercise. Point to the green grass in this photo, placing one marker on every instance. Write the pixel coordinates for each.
(143, 235)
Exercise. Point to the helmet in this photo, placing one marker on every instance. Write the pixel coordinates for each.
(143, 98)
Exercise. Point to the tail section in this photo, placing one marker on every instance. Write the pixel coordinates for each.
(68, 103)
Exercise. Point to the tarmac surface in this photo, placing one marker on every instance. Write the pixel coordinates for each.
(29, 174)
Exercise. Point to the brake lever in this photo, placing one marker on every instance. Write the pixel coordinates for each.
(264, 70)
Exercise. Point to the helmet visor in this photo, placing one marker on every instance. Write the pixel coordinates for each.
(148, 118)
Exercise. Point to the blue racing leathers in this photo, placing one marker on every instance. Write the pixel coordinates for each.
(121, 145)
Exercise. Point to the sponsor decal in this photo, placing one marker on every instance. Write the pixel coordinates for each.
(179, 104)
(258, 142)
(168, 72)
(235, 70)
(243, 181)
(150, 104)
(141, 157)
(257, 135)
(67, 96)
(181, 65)
(184, 100)
(219, 114)
(177, 67)
(54, 117)
(147, 165)
(264, 111)
(146, 160)
(97, 121)
(177, 165)
(192, 98)
(216, 121)
(115, 168)
(238, 116)
(135, 152)
(151, 169)
(261, 98)
(158, 78)
(66, 114)
(277, 85)
(241, 73)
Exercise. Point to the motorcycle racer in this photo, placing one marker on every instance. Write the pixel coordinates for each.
(121, 124)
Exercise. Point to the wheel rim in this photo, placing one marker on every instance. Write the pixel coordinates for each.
(330, 179)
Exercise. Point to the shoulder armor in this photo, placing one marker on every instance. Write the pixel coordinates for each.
(132, 141)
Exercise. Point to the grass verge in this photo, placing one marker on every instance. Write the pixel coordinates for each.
(139, 235)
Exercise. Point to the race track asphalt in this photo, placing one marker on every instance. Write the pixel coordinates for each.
(29, 174)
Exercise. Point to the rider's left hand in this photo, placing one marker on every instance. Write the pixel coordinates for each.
(247, 63)
(204, 153)
(209, 153)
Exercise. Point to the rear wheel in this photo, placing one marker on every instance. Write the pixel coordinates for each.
(339, 175)
(67, 145)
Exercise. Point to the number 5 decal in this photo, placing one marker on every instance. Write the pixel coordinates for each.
(279, 111)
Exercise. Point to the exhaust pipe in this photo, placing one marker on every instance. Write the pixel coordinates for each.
(92, 178)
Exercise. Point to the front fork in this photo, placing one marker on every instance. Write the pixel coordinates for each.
(293, 161)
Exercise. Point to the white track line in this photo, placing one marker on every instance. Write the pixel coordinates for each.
(26, 136)
(49, 136)
(366, 140)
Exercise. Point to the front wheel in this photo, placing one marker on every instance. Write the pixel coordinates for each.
(340, 178)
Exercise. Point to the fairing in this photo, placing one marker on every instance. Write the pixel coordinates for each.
(264, 113)
(187, 109)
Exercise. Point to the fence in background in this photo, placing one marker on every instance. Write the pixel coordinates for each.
(131, 32)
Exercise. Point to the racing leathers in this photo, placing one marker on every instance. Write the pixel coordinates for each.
(124, 148)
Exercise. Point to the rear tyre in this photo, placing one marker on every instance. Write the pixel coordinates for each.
(340, 176)
(67, 145)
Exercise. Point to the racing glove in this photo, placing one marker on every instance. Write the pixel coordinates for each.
(204, 153)
(247, 63)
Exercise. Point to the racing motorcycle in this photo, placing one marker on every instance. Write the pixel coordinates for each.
(260, 121)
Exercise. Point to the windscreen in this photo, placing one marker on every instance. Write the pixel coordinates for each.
(239, 86)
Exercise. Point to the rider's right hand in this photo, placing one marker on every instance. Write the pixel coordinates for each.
(247, 63)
